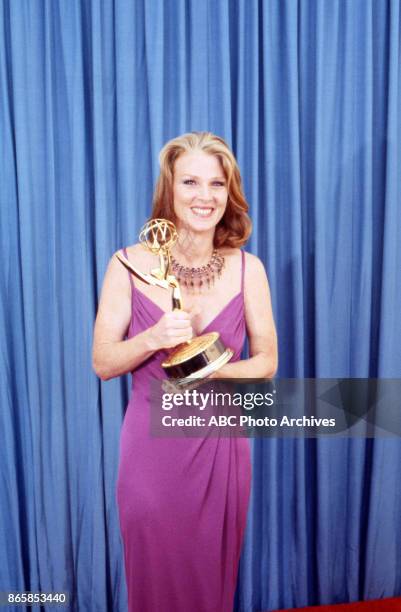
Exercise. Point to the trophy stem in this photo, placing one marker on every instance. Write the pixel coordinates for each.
(176, 295)
(164, 257)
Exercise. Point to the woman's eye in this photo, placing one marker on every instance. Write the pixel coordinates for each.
(189, 182)
(218, 184)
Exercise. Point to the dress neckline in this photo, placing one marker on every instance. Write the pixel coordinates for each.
(203, 330)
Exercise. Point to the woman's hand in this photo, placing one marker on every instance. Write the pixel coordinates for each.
(172, 329)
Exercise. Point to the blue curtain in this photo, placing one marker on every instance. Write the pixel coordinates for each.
(308, 94)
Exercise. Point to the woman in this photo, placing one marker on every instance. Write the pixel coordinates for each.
(183, 502)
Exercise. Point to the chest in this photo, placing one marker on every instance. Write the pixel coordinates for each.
(207, 308)
(204, 308)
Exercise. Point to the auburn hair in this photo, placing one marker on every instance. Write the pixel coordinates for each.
(234, 229)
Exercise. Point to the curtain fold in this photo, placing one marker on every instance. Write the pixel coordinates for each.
(308, 94)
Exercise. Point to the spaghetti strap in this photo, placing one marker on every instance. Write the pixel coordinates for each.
(129, 273)
(242, 270)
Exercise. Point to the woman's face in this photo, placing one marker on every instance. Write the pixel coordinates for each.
(199, 190)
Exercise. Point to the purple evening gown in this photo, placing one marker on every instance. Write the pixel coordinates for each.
(182, 501)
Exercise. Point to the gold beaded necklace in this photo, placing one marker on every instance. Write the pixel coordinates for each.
(197, 278)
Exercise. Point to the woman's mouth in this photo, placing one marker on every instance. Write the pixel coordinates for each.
(202, 212)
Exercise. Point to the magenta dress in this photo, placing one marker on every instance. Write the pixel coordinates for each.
(182, 501)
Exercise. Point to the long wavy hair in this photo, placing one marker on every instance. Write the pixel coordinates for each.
(234, 228)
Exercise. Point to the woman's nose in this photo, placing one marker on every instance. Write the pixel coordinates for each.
(205, 192)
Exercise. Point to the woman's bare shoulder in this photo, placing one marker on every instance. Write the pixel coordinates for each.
(255, 277)
(252, 263)
(230, 253)
(135, 249)
(117, 271)
(138, 253)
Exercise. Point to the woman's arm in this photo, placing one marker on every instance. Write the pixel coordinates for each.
(261, 330)
(112, 355)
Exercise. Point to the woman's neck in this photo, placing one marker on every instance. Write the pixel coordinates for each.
(193, 249)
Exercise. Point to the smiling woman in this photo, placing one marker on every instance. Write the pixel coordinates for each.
(199, 172)
(200, 200)
(183, 502)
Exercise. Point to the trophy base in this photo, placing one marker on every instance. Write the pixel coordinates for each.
(197, 358)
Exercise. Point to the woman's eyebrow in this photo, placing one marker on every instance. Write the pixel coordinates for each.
(213, 178)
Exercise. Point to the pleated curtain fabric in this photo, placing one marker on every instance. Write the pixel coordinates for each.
(308, 95)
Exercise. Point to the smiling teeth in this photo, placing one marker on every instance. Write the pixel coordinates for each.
(203, 212)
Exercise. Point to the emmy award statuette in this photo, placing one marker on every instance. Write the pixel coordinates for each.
(201, 355)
